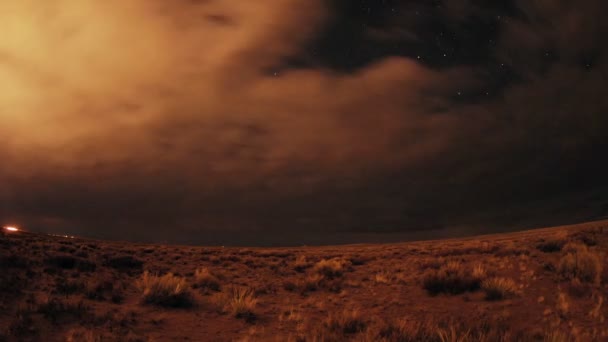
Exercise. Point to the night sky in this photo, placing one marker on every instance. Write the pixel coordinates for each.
(289, 122)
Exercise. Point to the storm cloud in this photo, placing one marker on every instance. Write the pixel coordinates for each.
(210, 120)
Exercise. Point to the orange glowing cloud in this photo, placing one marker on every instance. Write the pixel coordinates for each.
(89, 82)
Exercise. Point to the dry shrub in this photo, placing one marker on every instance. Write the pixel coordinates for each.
(239, 302)
(358, 260)
(580, 263)
(124, 263)
(557, 336)
(497, 288)
(105, 289)
(330, 268)
(551, 246)
(301, 263)
(68, 262)
(57, 310)
(205, 280)
(405, 330)
(589, 238)
(345, 322)
(383, 277)
(289, 286)
(562, 305)
(83, 335)
(167, 291)
(68, 287)
(89, 335)
(291, 315)
(13, 261)
(12, 284)
(312, 282)
(479, 272)
(343, 327)
(574, 247)
(454, 334)
(23, 325)
(578, 289)
(453, 278)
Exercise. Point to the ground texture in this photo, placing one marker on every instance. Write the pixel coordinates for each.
(541, 285)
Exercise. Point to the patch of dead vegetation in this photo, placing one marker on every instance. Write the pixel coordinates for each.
(331, 268)
(580, 263)
(453, 278)
(206, 281)
(239, 302)
(167, 291)
(497, 288)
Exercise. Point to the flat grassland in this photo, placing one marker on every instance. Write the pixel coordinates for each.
(541, 285)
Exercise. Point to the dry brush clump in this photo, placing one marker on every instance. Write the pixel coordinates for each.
(331, 268)
(205, 280)
(124, 263)
(240, 302)
(55, 309)
(350, 326)
(69, 262)
(383, 277)
(403, 330)
(453, 278)
(168, 290)
(327, 274)
(497, 288)
(346, 322)
(588, 237)
(552, 245)
(82, 334)
(580, 263)
(301, 263)
(102, 290)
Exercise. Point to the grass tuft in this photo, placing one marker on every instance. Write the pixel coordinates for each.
(167, 291)
(499, 288)
(453, 278)
(240, 302)
(580, 263)
(346, 322)
(205, 280)
(330, 268)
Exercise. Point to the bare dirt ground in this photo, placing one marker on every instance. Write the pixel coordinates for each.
(541, 285)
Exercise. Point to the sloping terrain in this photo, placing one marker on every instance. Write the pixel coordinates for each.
(541, 285)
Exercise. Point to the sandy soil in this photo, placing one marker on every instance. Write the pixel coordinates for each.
(540, 285)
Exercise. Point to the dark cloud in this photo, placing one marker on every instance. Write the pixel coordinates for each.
(288, 120)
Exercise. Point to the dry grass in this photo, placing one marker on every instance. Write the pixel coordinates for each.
(403, 330)
(580, 263)
(552, 245)
(239, 302)
(167, 291)
(453, 278)
(205, 280)
(330, 268)
(312, 282)
(346, 322)
(557, 336)
(83, 335)
(383, 277)
(479, 272)
(562, 306)
(301, 263)
(85, 305)
(350, 326)
(497, 288)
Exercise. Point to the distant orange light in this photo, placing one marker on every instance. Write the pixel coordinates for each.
(12, 229)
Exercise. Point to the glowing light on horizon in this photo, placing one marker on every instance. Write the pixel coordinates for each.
(11, 228)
